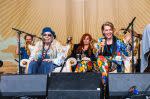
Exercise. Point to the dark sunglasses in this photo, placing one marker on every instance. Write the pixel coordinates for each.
(47, 35)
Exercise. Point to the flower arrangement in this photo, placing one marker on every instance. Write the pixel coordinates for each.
(84, 66)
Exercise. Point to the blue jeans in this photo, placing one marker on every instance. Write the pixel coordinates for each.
(36, 67)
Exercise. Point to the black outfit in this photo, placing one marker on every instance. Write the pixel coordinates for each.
(86, 53)
(109, 50)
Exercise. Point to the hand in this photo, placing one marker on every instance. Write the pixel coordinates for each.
(33, 60)
(47, 60)
(102, 43)
(127, 38)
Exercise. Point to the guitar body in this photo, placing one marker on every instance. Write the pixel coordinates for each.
(25, 65)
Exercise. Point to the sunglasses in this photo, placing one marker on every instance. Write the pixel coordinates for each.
(47, 35)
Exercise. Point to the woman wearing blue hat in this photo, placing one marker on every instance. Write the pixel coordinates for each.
(47, 54)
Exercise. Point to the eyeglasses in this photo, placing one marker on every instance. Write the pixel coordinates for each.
(47, 35)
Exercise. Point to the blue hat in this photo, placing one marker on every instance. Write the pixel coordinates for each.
(48, 29)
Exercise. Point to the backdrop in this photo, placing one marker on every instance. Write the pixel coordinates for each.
(66, 18)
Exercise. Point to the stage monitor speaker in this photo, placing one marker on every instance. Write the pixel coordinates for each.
(74, 86)
(23, 85)
(119, 84)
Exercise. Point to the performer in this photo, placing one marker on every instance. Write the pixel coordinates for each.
(110, 50)
(25, 50)
(84, 52)
(127, 39)
(145, 59)
(47, 54)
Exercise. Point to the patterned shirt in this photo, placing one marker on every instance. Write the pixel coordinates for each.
(117, 47)
(56, 52)
(24, 54)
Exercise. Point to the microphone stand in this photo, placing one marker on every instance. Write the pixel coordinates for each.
(63, 65)
(134, 68)
(138, 64)
(132, 35)
(19, 32)
(19, 45)
(27, 33)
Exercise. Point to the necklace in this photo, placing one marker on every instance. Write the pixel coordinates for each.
(44, 51)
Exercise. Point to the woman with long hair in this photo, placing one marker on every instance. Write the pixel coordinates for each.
(47, 54)
(83, 52)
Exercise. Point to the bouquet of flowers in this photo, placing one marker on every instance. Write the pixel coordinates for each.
(84, 66)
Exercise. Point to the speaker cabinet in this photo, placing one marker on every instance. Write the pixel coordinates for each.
(74, 86)
(23, 85)
(119, 85)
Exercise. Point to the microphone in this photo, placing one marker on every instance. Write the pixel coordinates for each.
(102, 40)
(102, 49)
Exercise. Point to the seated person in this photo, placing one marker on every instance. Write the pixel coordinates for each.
(110, 50)
(127, 39)
(47, 54)
(25, 51)
(83, 52)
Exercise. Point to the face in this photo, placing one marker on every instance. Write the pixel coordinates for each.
(28, 39)
(86, 40)
(48, 37)
(108, 32)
